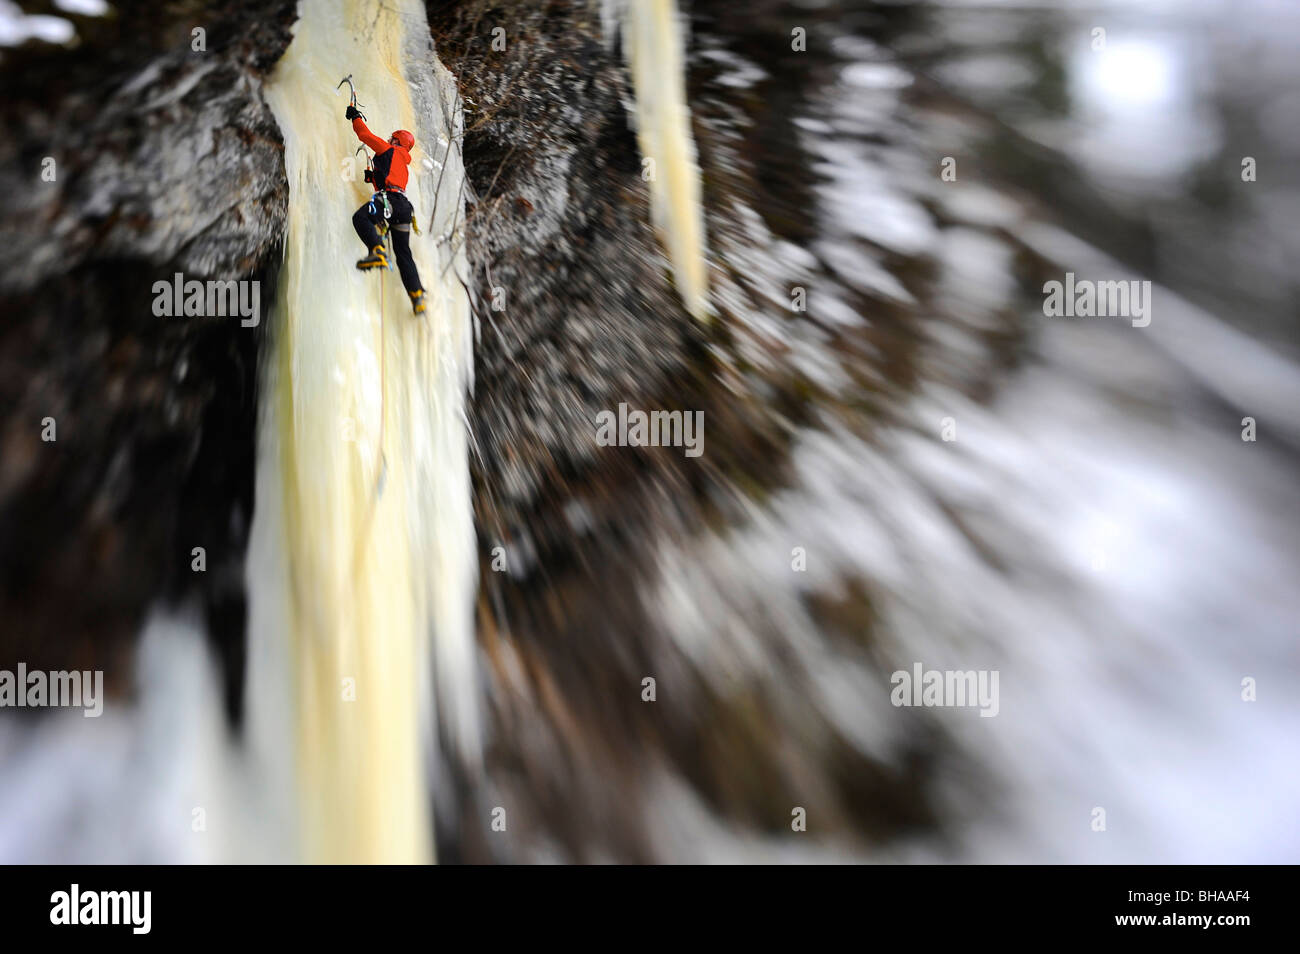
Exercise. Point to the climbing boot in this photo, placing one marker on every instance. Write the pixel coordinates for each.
(376, 259)
(417, 300)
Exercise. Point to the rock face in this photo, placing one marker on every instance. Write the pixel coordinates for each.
(560, 233)
(575, 310)
(165, 160)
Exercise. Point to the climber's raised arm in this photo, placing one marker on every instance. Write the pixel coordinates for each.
(363, 133)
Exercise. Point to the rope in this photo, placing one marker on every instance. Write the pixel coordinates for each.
(381, 462)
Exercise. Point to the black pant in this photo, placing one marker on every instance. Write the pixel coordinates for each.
(399, 226)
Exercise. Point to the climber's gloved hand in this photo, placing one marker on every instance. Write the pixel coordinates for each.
(353, 113)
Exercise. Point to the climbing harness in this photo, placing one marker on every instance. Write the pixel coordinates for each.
(374, 209)
(385, 230)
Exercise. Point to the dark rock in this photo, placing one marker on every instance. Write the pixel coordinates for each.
(166, 160)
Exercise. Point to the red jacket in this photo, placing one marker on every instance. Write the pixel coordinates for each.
(393, 169)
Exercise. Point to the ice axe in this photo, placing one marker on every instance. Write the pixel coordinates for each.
(348, 79)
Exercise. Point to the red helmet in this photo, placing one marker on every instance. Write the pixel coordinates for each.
(404, 139)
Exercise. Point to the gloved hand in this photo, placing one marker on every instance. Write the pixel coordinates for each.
(353, 113)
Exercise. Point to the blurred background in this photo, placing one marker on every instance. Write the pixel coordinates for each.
(1098, 532)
